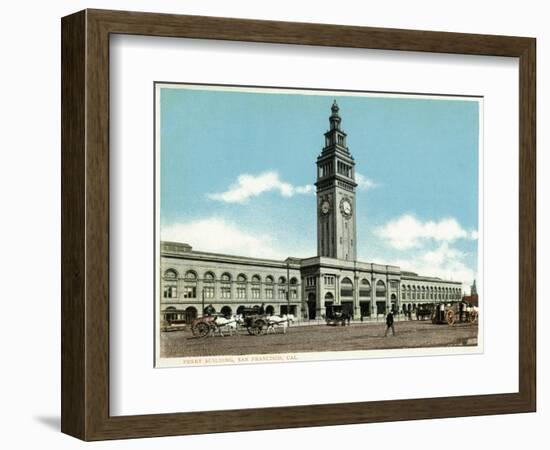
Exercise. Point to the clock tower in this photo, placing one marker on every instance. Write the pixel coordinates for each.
(336, 225)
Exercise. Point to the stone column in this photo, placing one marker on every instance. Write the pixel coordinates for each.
(374, 306)
(356, 306)
(337, 299)
(319, 300)
(398, 302)
(304, 299)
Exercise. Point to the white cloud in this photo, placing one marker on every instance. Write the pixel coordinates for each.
(408, 232)
(248, 186)
(445, 262)
(218, 235)
(364, 183)
(427, 247)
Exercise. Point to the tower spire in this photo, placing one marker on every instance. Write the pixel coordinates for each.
(335, 119)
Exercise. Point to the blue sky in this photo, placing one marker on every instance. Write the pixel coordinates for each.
(237, 169)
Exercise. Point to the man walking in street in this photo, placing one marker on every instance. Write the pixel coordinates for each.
(389, 324)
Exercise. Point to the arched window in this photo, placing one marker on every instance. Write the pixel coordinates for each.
(226, 311)
(329, 302)
(170, 274)
(170, 314)
(346, 287)
(241, 286)
(364, 288)
(190, 314)
(190, 287)
(226, 278)
(208, 288)
(255, 290)
(269, 287)
(380, 289)
(209, 276)
(225, 289)
(293, 288)
(170, 289)
(281, 290)
(190, 275)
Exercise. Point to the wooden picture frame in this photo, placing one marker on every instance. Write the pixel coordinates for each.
(85, 224)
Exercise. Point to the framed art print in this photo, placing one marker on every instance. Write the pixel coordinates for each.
(314, 213)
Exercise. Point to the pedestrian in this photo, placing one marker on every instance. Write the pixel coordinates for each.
(389, 324)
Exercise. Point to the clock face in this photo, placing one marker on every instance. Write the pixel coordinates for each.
(345, 207)
(325, 207)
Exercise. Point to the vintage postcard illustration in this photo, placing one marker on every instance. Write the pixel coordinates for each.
(298, 224)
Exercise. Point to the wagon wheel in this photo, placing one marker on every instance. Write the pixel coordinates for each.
(451, 317)
(201, 329)
(473, 317)
(257, 327)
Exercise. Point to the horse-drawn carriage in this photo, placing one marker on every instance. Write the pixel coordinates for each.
(204, 325)
(424, 311)
(338, 317)
(453, 312)
(254, 319)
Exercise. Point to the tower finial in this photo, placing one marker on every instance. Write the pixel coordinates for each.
(334, 117)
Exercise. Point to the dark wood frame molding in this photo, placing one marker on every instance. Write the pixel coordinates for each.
(85, 224)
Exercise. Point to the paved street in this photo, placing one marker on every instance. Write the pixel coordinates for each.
(358, 336)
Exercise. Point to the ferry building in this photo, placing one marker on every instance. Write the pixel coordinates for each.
(309, 288)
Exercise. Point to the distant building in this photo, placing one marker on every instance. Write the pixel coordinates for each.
(316, 285)
(473, 298)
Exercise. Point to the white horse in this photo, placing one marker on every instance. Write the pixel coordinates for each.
(230, 324)
(279, 321)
